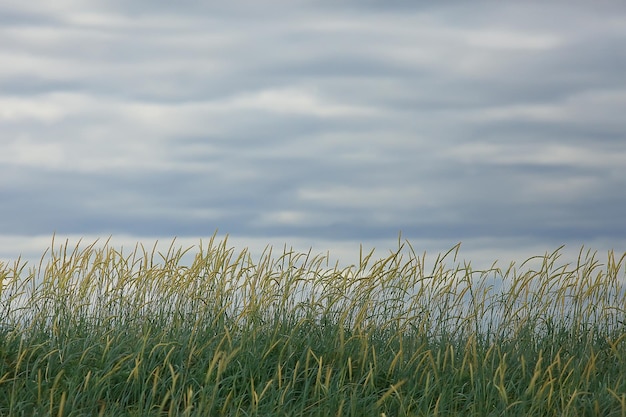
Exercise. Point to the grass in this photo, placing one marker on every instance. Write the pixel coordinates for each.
(95, 331)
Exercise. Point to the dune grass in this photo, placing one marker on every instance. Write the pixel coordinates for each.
(95, 331)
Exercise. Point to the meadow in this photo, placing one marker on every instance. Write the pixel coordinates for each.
(95, 331)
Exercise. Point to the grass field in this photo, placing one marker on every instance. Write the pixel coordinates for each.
(95, 331)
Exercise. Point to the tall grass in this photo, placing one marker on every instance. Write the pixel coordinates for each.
(95, 331)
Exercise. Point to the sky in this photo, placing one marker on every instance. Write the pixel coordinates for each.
(316, 125)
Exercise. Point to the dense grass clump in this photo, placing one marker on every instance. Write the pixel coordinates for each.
(95, 331)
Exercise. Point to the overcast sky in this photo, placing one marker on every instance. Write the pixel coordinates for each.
(316, 124)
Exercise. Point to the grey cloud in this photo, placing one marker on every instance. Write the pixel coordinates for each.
(325, 122)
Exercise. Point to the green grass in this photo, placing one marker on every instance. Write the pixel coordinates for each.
(95, 331)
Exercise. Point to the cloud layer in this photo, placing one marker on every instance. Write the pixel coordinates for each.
(315, 123)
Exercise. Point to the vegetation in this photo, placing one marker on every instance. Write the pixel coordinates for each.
(95, 331)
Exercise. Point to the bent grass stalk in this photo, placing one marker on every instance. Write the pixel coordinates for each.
(96, 331)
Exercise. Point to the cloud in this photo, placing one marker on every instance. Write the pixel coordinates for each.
(325, 122)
